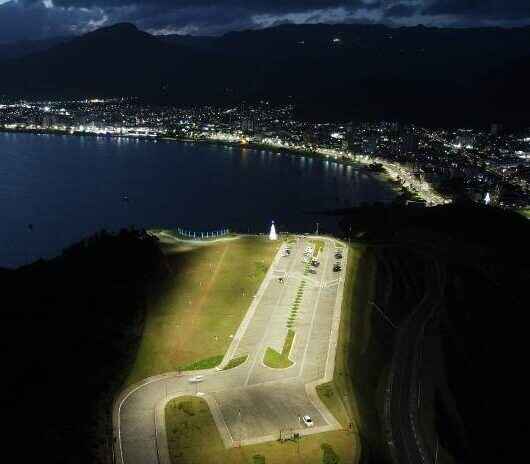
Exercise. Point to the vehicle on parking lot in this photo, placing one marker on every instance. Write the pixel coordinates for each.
(315, 263)
(338, 255)
(337, 267)
(308, 422)
(196, 379)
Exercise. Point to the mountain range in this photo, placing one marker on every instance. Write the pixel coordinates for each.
(421, 74)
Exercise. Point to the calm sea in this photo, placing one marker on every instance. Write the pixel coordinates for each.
(67, 188)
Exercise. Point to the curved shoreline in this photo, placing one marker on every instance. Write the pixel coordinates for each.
(312, 154)
(395, 174)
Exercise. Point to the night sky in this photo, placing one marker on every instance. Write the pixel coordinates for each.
(37, 19)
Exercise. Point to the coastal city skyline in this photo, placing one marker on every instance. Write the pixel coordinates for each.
(435, 166)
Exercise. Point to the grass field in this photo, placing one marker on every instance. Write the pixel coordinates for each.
(193, 438)
(210, 290)
(525, 212)
(281, 360)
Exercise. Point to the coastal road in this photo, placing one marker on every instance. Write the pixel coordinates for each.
(252, 403)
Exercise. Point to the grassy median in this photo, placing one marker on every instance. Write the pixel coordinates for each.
(281, 360)
(234, 362)
(193, 438)
(193, 321)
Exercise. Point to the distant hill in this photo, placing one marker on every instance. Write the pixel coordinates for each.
(428, 75)
(117, 60)
(19, 49)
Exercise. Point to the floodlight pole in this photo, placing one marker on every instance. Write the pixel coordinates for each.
(239, 423)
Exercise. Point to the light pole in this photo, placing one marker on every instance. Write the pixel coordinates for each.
(317, 227)
(383, 314)
(239, 426)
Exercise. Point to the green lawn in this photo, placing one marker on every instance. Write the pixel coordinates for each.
(281, 360)
(210, 290)
(235, 362)
(193, 438)
(207, 363)
(525, 212)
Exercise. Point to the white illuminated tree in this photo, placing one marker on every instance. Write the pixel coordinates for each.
(273, 235)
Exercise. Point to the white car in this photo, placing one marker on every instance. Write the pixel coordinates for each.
(308, 422)
(196, 379)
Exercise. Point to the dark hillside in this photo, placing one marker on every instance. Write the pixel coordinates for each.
(431, 76)
(70, 327)
(474, 347)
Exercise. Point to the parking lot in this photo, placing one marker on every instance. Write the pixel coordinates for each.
(254, 403)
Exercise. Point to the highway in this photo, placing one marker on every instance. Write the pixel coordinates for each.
(251, 403)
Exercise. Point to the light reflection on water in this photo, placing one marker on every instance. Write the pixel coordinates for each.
(69, 187)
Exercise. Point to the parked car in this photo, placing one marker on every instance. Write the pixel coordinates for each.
(308, 422)
(196, 379)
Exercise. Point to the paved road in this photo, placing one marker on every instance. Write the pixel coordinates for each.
(406, 440)
(251, 403)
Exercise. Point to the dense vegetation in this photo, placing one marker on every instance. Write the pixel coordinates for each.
(70, 328)
(473, 348)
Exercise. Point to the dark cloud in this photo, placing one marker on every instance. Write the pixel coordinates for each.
(400, 10)
(481, 9)
(31, 19)
(253, 5)
(20, 19)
